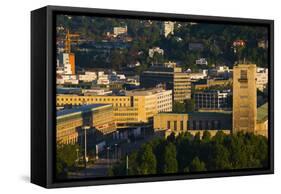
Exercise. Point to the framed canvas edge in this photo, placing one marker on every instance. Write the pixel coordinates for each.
(51, 183)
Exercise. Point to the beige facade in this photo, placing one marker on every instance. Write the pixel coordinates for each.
(135, 107)
(71, 121)
(244, 98)
(177, 123)
(213, 82)
(182, 86)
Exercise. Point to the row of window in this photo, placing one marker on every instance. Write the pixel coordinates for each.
(195, 125)
(93, 99)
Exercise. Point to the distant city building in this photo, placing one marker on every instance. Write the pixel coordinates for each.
(70, 122)
(262, 78)
(173, 79)
(220, 71)
(167, 28)
(66, 63)
(88, 76)
(170, 64)
(197, 76)
(96, 92)
(69, 59)
(103, 79)
(263, 44)
(119, 30)
(212, 100)
(133, 65)
(154, 50)
(244, 98)
(201, 61)
(63, 90)
(133, 81)
(238, 43)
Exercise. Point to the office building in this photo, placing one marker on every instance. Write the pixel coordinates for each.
(212, 100)
(172, 78)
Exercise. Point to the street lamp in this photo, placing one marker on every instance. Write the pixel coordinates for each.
(85, 128)
(107, 148)
(77, 155)
(115, 153)
(127, 164)
(117, 135)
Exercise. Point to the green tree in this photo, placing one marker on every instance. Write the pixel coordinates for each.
(206, 137)
(190, 105)
(219, 158)
(66, 158)
(197, 165)
(179, 107)
(147, 160)
(117, 59)
(170, 159)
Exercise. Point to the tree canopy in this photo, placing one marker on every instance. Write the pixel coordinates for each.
(189, 153)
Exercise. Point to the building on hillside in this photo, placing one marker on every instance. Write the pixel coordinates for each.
(262, 78)
(119, 31)
(167, 28)
(154, 50)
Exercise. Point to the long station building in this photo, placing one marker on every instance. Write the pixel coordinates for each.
(136, 107)
(70, 122)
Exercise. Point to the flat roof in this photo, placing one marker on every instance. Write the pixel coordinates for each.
(205, 114)
(83, 108)
(211, 114)
(262, 113)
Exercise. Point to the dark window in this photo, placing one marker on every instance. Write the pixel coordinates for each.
(194, 125)
(219, 124)
(175, 125)
(200, 125)
(168, 124)
(243, 74)
(182, 125)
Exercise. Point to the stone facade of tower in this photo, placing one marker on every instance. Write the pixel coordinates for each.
(244, 98)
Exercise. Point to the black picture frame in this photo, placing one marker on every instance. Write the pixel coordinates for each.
(43, 92)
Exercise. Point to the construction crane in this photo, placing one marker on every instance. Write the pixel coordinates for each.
(68, 39)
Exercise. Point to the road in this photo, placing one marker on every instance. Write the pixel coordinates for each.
(101, 165)
(99, 169)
